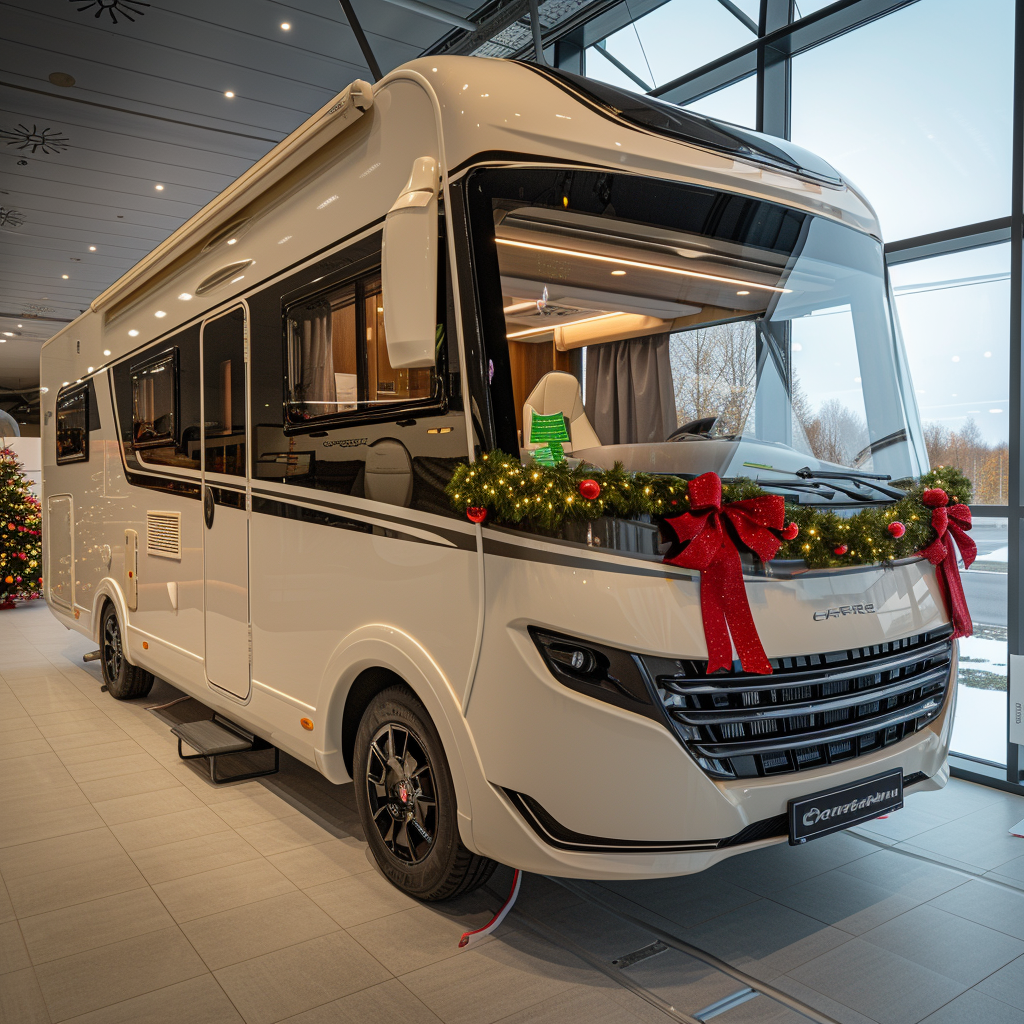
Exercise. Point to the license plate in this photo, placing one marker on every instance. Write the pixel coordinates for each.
(812, 817)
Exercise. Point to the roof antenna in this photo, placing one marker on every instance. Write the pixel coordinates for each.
(538, 46)
(364, 46)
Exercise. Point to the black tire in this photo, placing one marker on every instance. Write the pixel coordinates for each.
(410, 814)
(124, 680)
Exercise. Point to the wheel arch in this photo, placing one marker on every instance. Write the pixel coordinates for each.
(109, 592)
(368, 661)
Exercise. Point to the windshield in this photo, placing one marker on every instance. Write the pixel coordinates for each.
(681, 329)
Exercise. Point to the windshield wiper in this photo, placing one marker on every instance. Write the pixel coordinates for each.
(855, 475)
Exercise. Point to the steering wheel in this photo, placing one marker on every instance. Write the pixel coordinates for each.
(695, 428)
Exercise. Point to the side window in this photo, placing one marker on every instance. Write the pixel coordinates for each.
(224, 393)
(157, 396)
(338, 357)
(73, 425)
(155, 401)
(345, 420)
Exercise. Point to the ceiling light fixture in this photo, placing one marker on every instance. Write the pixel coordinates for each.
(92, 248)
(229, 94)
(743, 293)
(286, 26)
(64, 276)
(159, 314)
(618, 273)
(159, 188)
(571, 323)
(106, 351)
(637, 263)
(133, 334)
(90, 370)
(185, 296)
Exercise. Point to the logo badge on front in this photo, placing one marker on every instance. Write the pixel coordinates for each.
(845, 609)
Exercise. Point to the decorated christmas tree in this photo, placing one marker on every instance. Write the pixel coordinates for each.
(20, 535)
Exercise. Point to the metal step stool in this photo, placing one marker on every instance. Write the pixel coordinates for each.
(216, 737)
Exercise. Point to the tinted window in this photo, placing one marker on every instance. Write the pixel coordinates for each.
(388, 435)
(224, 393)
(157, 397)
(73, 425)
(338, 356)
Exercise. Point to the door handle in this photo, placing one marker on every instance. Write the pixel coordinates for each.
(208, 506)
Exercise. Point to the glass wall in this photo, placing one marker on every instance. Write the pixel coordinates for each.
(913, 103)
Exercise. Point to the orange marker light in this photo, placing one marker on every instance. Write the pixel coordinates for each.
(306, 724)
(145, 645)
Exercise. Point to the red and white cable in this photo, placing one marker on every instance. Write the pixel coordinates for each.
(469, 938)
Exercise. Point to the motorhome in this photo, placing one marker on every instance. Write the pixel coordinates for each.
(248, 438)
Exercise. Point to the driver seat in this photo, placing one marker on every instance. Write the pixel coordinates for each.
(558, 391)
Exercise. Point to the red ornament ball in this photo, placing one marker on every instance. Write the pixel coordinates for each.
(935, 497)
(790, 532)
(475, 514)
(590, 489)
(897, 529)
(842, 549)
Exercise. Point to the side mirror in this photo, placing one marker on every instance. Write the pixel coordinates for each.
(409, 269)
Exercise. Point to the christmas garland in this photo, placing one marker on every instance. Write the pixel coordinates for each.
(499, 488)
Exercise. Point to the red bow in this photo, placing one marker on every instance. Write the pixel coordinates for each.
(950, 525)
(711, 549)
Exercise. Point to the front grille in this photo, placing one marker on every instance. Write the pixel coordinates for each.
(814, 710)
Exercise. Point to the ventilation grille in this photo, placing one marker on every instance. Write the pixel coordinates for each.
(163, 534)
(813, 711)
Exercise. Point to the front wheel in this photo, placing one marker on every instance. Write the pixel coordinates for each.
(124, 681)
(407, 801)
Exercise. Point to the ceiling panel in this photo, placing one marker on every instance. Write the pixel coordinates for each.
(148, 107)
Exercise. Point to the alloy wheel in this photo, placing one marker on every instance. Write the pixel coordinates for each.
(401, 793)
(112, 647)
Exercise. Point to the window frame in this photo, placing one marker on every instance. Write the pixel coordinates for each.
(366, 267)
(71, 393)
(170, 440)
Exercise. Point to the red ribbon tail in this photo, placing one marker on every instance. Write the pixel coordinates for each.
(726, 610)
(712, 613)
(948, 575)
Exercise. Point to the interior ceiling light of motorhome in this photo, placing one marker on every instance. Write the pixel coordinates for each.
(637, 263)
(569, 323)
(185, 296)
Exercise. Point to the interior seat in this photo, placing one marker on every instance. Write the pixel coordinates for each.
(558, 391)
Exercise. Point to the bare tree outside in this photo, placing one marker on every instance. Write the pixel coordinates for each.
(714, 373)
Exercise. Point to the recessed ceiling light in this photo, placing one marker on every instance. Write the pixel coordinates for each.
(286, 26)
(133, 334)
(743, 293)
(159, 314)
(185, 296)
(159, 188)
(64, 276)
(92, 248)
(19, 325)
(229, 94)
(618, 273)
(91, 368)
(61, 78)
(106, 351)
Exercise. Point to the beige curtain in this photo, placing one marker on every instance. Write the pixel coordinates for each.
(316, 359)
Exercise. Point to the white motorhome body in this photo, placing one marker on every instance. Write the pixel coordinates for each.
(245, 472)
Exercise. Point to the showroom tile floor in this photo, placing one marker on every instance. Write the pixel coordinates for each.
(134, 891)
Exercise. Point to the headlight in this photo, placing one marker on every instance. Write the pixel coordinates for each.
(605, 673)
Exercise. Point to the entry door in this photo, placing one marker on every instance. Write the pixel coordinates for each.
(225, 435)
